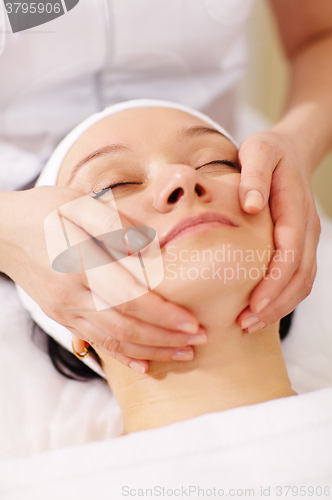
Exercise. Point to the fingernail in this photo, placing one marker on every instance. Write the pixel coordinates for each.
(183, 355)
(137, 367)
(197, 340)
(257, 327)
(249, 322)
(253, 199)
(262, 304)
(188, 327)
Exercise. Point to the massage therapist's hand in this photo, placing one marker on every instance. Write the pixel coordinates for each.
(271, 167)
(147, 328)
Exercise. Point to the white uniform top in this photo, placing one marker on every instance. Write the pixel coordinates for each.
(106, 51)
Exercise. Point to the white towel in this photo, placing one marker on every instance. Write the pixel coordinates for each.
(280, 443)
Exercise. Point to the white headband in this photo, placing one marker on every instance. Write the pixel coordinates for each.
(49, 176)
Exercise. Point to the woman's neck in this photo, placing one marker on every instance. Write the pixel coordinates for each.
(232, 369)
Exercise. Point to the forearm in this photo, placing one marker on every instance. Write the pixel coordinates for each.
(7, 227)
(307, 120)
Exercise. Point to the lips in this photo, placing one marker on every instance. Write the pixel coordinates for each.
(195, 221)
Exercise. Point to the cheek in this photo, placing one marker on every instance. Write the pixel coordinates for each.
(259, 227)
(227, 185)
(133, 210)
(262, 227)
(225, 194)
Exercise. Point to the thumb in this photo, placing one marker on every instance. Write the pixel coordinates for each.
(258, 161)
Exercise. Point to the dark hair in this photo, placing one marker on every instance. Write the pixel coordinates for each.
(64, 361)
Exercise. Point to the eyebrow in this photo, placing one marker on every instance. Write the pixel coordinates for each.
(112, 149)
(108, 150)
(197, 130)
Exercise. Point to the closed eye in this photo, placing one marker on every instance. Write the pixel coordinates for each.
(106, 190)
(228, 163)
(218, 163)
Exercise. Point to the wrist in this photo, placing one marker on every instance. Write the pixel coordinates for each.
(8, 226)
(308, 133)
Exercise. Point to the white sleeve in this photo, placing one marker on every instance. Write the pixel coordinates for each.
(2, 27)
(17, 167)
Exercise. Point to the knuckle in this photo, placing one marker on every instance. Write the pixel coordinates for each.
(308, 289)
(118, 329)
(54, 309)
(115, 355)
(111, 344)
(127, 335)
(125, 307)
(264, 147)
(122, 332)
(313, 272)
(256, 178)
(318, 224)
(279, 312)
(60, 298)
(296, 256)
(158, 354)
(107, 222)
(170, 341)
(306, 285)
(259, 174)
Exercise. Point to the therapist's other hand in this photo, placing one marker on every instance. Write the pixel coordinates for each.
(270, 167)
(147, 328)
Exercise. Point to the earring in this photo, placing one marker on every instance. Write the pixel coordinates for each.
(87, 351)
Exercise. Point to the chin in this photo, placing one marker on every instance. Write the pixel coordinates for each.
(203, 267)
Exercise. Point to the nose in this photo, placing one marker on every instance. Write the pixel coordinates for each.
(179, 184)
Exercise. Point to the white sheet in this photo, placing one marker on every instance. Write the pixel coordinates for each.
(39, 409)
(279, 443)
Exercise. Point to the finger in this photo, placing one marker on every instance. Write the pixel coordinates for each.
(154, 353)
(296, 243)
(113, 325)
(123, 288)
(115, 285)
(153, 309)
(139, 365)
(289, 239)
(133, 321)
(94, 217)
(283, 305)
(111, 346)
(122, 285)
(297, 289)
(258, 159)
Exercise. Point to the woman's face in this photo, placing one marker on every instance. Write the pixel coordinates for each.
(171, 171)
